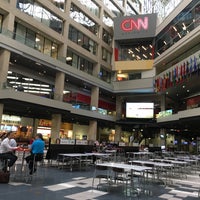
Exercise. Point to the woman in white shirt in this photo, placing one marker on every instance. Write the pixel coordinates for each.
(6, 151)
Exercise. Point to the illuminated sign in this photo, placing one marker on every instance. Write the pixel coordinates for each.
(132, 24)
(164, 113)
(135, 26)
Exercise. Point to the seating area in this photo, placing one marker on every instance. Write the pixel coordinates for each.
(110, 175)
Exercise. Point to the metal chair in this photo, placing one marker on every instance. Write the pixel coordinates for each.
(101, 172)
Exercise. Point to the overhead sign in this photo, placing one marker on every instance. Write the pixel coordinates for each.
(135, 26)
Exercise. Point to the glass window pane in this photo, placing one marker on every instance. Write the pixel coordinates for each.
(54, 51)
(26, 6)
(37, 14)
(80, 39)
(30, 38)
(75, 61)
(39, 43)
(47, 47)
(20, 33)
(46, 17)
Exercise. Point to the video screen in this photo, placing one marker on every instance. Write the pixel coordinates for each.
(140, 110)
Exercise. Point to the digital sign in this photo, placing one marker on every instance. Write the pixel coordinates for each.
(135, 26)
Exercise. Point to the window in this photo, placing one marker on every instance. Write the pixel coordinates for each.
(39, 43)
(47, 47)
(77, 15)
(106, 56)
(54, 51)
(59, 4)
(41, 14)
(79, 62)
(82, 40)
(105, 75)
(107, 37)
(20, 33)
(36, 41)
(30, 38)
(107, 20)
(90, 5)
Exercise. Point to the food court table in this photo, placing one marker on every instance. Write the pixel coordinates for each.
(127, 168)
(158, 169)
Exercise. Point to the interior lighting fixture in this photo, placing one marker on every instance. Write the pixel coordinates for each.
(130, 51)
(28, 79)
(68, 58)
(138, 57)
(184, 27)
(38, 92)
(35, 84)
(66, 92)
(37, 39)
(12, 77)
(137, 49)
(144, 55)
(174, 28)
(37, 63)
(144, 48)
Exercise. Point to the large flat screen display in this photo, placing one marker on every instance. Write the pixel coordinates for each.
(140, 110)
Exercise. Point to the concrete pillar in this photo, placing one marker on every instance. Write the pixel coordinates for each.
(118, 131)
(94, 96)
(55, 127)
(59, 86)
(58, 95)
(92, 131)
(4, 60)
(8, 24)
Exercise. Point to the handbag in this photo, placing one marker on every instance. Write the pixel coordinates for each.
(4, 177)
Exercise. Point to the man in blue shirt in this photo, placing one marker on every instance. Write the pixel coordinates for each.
(37, 151)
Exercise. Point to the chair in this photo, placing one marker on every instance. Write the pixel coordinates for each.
(38, 160)
(101, 172)
(121, 177)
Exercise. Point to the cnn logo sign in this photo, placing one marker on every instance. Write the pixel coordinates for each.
(131, 24)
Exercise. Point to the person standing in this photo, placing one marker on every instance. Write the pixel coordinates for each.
(6, 151)
(37, 153)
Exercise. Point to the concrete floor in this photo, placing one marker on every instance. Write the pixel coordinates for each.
(51, 183)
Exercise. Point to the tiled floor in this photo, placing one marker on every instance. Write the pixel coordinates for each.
(51, 183)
